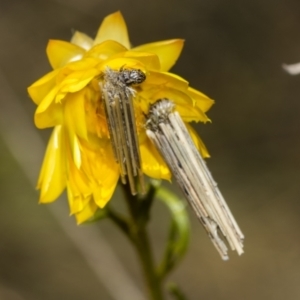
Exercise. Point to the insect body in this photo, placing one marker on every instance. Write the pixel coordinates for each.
(118, 94)
(168, 133)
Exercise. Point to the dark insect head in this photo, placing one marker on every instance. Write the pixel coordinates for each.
(132, 76)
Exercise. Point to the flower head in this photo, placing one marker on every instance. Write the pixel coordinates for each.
(70, 99)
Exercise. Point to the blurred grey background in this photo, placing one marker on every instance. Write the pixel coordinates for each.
(234, 52)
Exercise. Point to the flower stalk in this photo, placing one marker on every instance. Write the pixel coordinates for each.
(151, 278)
(139, 211)
(134, 226)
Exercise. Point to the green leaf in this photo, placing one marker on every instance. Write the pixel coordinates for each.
(179, 232)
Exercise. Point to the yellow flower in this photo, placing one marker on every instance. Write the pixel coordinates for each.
(79, 155)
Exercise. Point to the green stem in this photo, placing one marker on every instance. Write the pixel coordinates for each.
(119, 221)
(141, 241)
(144, 252)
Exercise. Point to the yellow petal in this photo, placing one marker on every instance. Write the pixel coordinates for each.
(150, 60)
(51, 117)
(129, 59)
(75, 82)
(88, 211)
(192, 114)
(76, 151)
(52, 179)
(167, 51)
(78, 65)
(82, 40)
(105, 169)
(39, 89)
(118, 63)
(75, 147)
(74, 113)
(152, 163)
(47, 101)
(113, 28)
(105, 50)
(184, 103)
(198, 142)
(201, 100)
(76, 203)
(100, 166)
(60, 53)
(78, 182)
(103, 194)
(160, 79)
